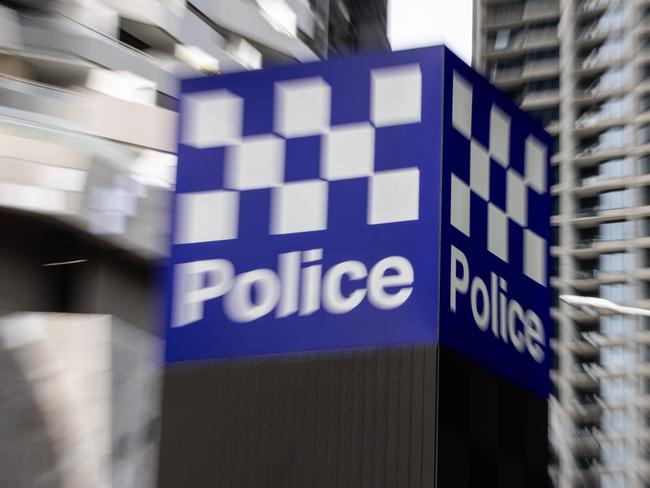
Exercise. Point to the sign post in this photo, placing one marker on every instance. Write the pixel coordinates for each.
(358, 291)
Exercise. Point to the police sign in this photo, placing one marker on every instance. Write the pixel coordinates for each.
(370, 201)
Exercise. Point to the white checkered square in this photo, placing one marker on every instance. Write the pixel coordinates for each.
(461, 111)
(258, 162)
(479, 166)
(460, 205)
(497, 232)
(394, 196)
(292, 98)
(516, 198)
(500, 136)
(535, 257)
(535, 164)
(212, 119)
(206, 216)
(348, 151)
(396, 95)
(299, 207)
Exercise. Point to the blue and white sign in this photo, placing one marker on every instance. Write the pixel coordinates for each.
(359, 202)
(494, 288)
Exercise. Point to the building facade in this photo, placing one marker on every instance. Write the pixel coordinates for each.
(88, 103)
(580, 67)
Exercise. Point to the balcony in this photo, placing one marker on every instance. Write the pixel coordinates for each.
(583, 376)
(600, 93)
(90, 113)
(644, 24)
(505, 17)
(503, 76)
(586, 443)
(524, 41)
(598, 59)
(585, 281)
(587, 212)
(540, 99)
(246, 19)
(514, 15)
(45, 33)
(588, 409)
(592, 185)
(595, 121)
(541, 68)
(95, 185)
(541, 10)
(583, 347)
(593, 6)
(600, 151)
(598, 31)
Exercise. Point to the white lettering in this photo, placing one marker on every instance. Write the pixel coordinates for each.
(197, 282)
(239, 304)
(458, 283)
(333, 300)
(292, 290)
(482, 319)
(534, 332)
(494, 311)
(378, 281)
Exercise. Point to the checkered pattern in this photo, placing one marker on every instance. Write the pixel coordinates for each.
(215, 119)
(517, 188)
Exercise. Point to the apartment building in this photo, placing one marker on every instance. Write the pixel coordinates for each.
(581, 68)
(88, 110)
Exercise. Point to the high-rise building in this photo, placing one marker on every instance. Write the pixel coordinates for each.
(88, 101)
(581, 68)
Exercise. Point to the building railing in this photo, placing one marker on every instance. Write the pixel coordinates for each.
(593, 118)
(540, 8)
(591, 5)
(506, 74)
(505, 16)
(540, 66)
(528, 39)
(581, 274)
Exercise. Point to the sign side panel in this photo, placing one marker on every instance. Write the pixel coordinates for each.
(495, 290)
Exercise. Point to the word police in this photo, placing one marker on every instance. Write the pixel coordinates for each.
(298, 287)
(493, 311)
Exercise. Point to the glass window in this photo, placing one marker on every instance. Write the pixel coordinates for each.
(618, 325)
(502, 39)
(543, 85)
(615, 168)
(617, 292)
(616, 199)
(612, 231)
(612, 480)
(612, 49)
(616, 262)
(621, 358)
(616, 389)
(545, 116)
(612, 79)
(612, 138)
(616, 421)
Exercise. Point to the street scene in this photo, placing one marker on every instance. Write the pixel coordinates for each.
(324, 243)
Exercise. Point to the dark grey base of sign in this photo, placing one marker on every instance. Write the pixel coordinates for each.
(363, 419)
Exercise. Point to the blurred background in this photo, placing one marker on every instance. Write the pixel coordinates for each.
(88, 101)
(581, 67)
(88, 113)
